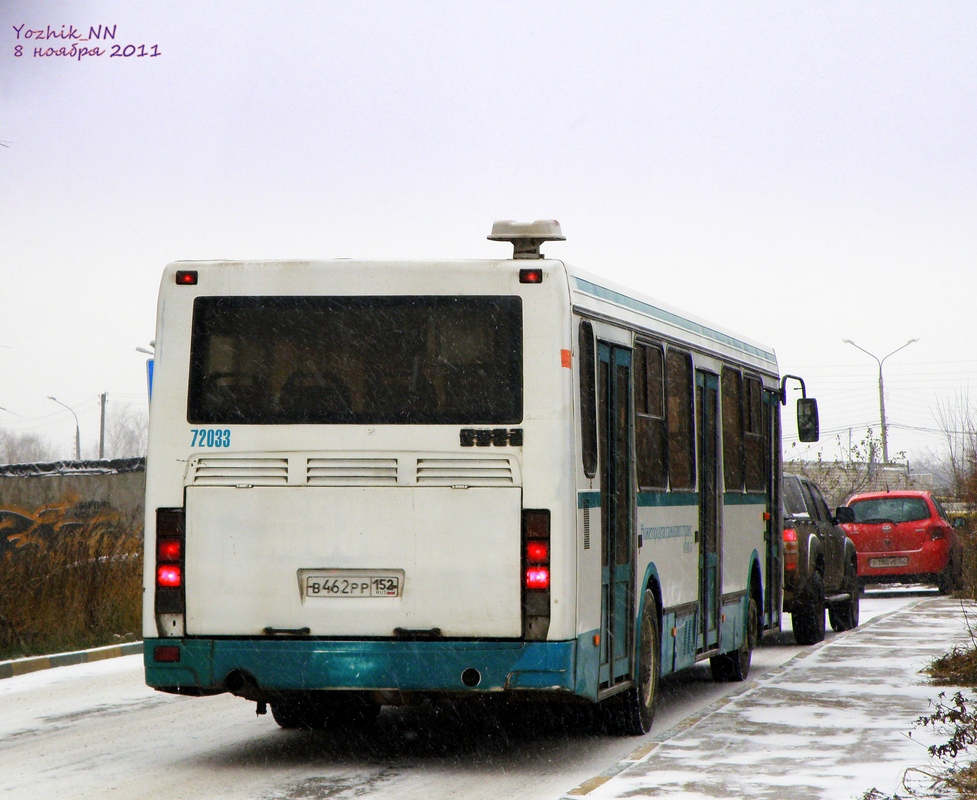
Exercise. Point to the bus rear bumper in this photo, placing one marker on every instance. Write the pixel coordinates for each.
(202, 666)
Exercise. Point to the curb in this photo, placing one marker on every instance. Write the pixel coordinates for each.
(23, 666)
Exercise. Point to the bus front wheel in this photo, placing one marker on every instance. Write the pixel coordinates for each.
(735, 666)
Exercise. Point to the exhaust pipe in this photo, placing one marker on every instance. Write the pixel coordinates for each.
(241, 684)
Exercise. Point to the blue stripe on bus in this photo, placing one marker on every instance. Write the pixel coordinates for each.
(673, 319)
(666, 499)
(740, 499)
(588, 499)
(660, 499)
(645, 499)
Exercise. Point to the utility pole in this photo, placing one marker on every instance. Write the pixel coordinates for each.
(101, 429)
(880, 361)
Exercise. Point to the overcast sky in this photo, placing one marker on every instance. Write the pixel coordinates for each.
(799, 172)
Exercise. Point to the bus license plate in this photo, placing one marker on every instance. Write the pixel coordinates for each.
(352, 585)
(900, 561)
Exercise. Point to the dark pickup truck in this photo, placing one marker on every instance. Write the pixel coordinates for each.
(820, 565)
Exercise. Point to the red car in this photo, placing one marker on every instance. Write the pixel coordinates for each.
(904, 537)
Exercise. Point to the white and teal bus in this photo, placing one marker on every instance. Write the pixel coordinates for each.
(370, 483)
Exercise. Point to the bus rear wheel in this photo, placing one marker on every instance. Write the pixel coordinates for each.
(632, 712)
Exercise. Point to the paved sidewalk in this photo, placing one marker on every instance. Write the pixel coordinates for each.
(830, 724)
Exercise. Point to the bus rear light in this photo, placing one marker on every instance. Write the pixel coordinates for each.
(170, 601)
(538, 578)
(537, 551)
(169, 550)
(186, 277)
(533, 275)
(169, 576)
(791, 549)
(535, 574)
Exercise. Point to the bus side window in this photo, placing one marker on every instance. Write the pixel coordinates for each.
(679, 420)
(588, 399)
(753, 435)
(649, 406)
(733, 429)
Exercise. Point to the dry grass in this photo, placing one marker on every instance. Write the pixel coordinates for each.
(71, 581)
(963, 782)
(956, 668)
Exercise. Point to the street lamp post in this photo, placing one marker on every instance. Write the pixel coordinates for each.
(77, 427)
(880, 361)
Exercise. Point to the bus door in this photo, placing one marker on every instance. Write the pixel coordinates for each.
(710, 496)
(617, 512)
(772, 535)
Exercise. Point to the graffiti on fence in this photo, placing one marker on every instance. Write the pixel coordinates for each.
(44, 526)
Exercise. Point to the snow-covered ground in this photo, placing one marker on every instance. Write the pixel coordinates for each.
(823, 722)
(832, 723)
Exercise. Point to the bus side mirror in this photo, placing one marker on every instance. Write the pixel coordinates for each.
(808, 427)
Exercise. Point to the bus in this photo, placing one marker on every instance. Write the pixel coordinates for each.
(375, 483)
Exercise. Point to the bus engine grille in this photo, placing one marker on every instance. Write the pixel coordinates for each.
(464, 472)
(350, 469)
(252, 471)
(351, 472)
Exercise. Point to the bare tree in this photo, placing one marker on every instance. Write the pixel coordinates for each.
(23, 448)
(126, 432)
(958, 424)
(858, 470)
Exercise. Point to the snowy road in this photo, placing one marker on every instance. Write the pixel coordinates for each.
(95, 730)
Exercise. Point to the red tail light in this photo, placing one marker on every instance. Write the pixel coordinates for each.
(170, 600)
(536, 549)
(169, 550)
(538, 578)
(537, 552)
(169, 576)
(791, 549)
(937, 533)
(535, 574)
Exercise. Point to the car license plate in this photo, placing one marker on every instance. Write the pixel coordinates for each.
(339, 583)
(896, 561)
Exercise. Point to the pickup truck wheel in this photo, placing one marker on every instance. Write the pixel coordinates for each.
(735, 666)
(808, 621)
(845, 617)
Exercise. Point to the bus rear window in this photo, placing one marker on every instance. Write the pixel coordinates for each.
(356, 360)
